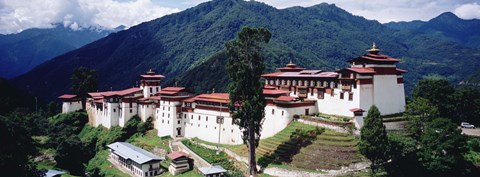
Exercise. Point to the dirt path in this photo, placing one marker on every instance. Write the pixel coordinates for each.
(280, 172)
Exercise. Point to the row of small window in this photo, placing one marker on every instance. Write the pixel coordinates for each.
(200, 118)
(151, 89)
(303, 83)
(273, 112)
(350, 96)
(191, 124)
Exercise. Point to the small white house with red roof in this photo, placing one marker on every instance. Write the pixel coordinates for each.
(70, 103)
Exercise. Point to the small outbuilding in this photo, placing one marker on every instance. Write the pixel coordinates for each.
(135, 160)
(213, 171)
(180, 162)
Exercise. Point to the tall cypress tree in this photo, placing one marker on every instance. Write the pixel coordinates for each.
(245, 66)
(373, 138)
(84, 80)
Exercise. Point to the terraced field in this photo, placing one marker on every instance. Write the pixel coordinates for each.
(330, 151)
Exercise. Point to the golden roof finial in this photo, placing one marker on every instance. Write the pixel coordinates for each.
(291, 64)
(150, 72)
(374, 49)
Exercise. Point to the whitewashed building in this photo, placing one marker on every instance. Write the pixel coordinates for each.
(135, 160)
(372, 79)
(70, 103)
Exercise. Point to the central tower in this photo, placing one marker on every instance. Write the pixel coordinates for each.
(150, 83)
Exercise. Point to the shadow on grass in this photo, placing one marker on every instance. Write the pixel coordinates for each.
(285, 151)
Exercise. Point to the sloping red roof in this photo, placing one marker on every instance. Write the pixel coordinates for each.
(155, 76)
(401, 70)
(272, 74)
(167, 92)
(269, 87)
(98, 101)
(375, 57)
(357, 110)
(128, 91)
(174, 89)
(213, 97)
(98, 94)
(303, 74)
(176, 154)
(362, 70)
(274, 92)
(285, 98)
(67, 96)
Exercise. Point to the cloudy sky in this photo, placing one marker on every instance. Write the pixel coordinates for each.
(18, 15)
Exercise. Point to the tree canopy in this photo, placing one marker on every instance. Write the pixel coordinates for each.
(245, 66)
(373, 138)
(84, 80)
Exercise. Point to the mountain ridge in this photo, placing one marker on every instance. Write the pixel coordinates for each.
(318, 37)
(22, 51)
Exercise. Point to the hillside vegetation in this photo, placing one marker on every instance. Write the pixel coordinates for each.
(189, 44)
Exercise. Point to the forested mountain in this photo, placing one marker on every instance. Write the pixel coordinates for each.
(23, 51)
(187, 47)
(446, 25)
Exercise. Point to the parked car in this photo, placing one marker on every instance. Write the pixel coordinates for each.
(466, 125)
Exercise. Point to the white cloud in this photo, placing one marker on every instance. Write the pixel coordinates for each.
(468, 11)
(381, 10)
(17, 15)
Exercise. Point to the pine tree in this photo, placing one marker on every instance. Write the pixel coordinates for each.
(373, 139)
(245, 66)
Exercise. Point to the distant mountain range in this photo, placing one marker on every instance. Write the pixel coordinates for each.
(23, 51)
(188, 47)
(446, 25)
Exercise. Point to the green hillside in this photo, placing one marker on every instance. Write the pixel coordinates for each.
(188, 45)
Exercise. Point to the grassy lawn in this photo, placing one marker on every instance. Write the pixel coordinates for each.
(148, 142)
(213, 158)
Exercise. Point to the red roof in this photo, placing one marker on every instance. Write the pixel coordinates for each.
(269, 87)
(275, 92)
(174, 89)
(177, 154)
(98, 101)
(272, 74)
(285, 98)
(98, 94)
(167, 92)
(401, 70)
(128, 91)
(213, 97)
(375, 57)
(67, 96)
(155, 76)
(362, 70)
(357, 110)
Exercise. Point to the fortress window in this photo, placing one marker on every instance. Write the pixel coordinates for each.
(151, 89)
(184, 116)
(198, 117)
(131, 111)
(350, 96)
(282, 113)
(157, 89)
(341, 95)
(192, 117)
(114, 110)
(273, 111)
(206, 119)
